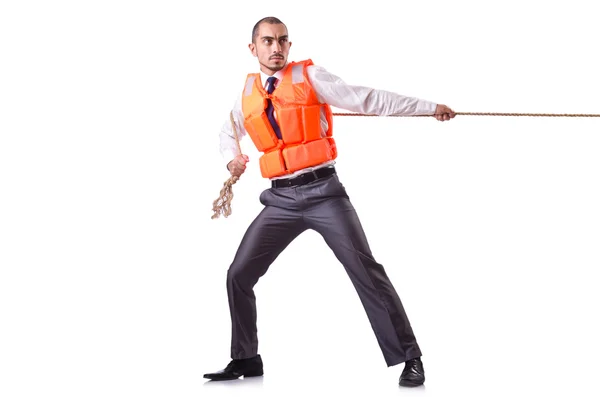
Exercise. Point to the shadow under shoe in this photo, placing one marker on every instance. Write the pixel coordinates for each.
(252, 366)
(413, 374)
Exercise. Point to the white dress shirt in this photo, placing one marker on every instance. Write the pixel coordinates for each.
(334, 91)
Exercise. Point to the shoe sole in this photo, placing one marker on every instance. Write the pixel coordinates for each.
(248, 375)
(408, 383)
(252, 374)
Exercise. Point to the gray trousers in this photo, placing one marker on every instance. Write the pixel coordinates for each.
(323, 206)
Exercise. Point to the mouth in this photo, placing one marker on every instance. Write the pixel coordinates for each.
(277, 58)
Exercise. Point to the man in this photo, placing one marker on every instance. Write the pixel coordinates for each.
(285, 109)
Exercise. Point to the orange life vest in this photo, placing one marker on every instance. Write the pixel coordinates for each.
(298, 114)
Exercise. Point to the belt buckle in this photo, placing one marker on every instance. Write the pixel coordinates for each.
(301, 179)
(308, 177)
(315, 175)
(318, 173)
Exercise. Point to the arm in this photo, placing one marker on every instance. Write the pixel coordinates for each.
(235, 161)
(334, 91)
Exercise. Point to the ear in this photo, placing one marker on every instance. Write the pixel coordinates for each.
(252, 48)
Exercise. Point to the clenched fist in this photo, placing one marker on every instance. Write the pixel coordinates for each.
(443, 113)
(237, 166)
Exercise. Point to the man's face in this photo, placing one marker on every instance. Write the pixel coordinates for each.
(271, 47)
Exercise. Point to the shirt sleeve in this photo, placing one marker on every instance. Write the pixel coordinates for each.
(228, 145)
(334, 91)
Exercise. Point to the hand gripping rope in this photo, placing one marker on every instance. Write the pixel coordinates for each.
(222, 205)
(484, 114)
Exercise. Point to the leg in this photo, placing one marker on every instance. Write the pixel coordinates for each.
(268, 235)
(333, 216)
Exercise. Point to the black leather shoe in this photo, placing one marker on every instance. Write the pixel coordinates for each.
(413, 374)
(243, 367)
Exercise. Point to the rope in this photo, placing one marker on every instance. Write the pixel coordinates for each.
(222, 205)
(483, 114)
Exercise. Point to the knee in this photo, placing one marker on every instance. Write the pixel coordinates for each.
(236, 275)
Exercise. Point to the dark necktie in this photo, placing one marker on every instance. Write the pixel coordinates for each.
(269, 109)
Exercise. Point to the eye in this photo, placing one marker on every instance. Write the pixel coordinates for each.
(267, 41)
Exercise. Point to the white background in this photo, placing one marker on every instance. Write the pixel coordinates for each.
(112, 278)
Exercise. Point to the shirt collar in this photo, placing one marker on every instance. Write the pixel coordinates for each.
(278, 75)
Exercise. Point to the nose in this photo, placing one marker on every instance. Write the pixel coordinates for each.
(277, 47)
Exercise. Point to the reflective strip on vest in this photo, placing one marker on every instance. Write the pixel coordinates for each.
(297, 75)
(249, 84)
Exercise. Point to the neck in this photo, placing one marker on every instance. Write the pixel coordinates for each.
(270, 72)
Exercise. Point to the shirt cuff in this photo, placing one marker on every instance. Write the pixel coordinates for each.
(426, 107)
(228, 155)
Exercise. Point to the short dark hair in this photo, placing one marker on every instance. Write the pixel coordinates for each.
(271, 20)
